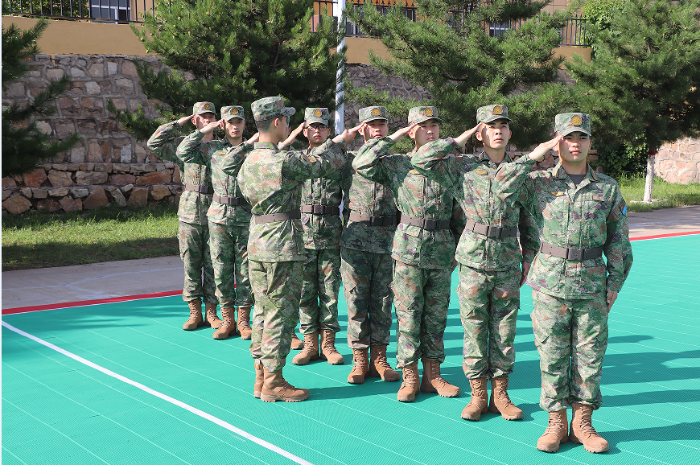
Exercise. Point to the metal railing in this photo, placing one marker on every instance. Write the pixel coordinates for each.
(131, 11)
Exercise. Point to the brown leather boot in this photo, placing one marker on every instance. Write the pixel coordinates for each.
(275, 387)
(409, 387)
(555, 434)
(259, 379)
(434, 382)
(228, 328)
(500, 401)
(297, 344)
(479, 403)
(328, 351)
(379, 366)
(359, 366)
(195, 320)
(582, 431)
(212, 319)
(310, 350)
(244, 322)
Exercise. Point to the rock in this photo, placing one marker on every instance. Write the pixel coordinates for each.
(5, 194)
(125, 154)
(92, 87)
(97, 199)
(27, 192)
(89, 178)
(125, 85)
(48, 204)
(34, 178)
(103, 167)
(44, 127)
(17, 204)
(156, 177)
(127, 188)
(70, 205)
(58, 192)
(97, 70)
(56, 74)
(129, 68)
(60, 178)
(39, 193)
(118, 197)
(120, 179)
(79, 192)
(159, 192)
(8, 182)
(138, 197)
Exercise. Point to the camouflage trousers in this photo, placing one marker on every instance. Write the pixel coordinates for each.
(318, 308)
(421, 298)
(367, 288)
(571, 337)
(229, 256)
(488, 306)
(277, 289)
(199, 272)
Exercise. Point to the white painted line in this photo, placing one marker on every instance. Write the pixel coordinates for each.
(166, 398)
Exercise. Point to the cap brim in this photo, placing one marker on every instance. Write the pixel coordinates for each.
(374, 118)
(317, 120)
(570, 130)
(426, 118)
(229, 118)
(494, 118)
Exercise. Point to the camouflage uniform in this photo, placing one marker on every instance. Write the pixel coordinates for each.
(229, 214)
(488, 251)
(423, 254)
(570, 319)
(271, 180)
(193, 232)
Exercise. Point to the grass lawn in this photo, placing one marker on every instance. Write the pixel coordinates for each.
(664, 194)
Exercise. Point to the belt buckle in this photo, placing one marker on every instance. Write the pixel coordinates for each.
(574, 254)
(493, 231)
(429, 224)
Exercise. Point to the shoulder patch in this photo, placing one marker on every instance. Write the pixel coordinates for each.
(557, 193)
(414, 171)
(481, 171)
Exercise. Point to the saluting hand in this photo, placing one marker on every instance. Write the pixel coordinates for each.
(293, 135)
(464, 137)
(402, 132)
(185, 119)
(209, 127)
(542, 149)
(348, 135)
(254, 138)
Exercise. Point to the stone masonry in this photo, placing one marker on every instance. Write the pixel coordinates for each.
(679, 162)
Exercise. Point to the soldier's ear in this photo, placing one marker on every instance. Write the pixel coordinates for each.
(478, 136)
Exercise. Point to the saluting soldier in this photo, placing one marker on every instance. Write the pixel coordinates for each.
(193, 230)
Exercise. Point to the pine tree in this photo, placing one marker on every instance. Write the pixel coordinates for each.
(642, 84)
(24, 145)
(237, 52)
(450, 53)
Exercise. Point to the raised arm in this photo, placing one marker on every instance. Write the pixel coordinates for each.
(191, 149)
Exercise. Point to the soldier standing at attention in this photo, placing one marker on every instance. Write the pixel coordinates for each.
(229, 216)
(579, 215)
(366, 264)
(488, 188)
(423, 248)
(193, 230)
(271, 181)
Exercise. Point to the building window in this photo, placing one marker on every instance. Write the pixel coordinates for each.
(110, 10)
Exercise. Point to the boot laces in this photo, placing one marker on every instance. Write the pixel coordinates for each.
(359, 360)
(502, 392)
(382, 362)
(585, 422)
(554, 425)
(329, 342)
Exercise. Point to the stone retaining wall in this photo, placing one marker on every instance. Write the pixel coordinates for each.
(679, 162)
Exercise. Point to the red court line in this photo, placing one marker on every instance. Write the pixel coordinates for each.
(126, 298)
(661, 236)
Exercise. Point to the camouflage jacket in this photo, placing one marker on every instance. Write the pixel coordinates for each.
(271, 181)
(367, 198)
(193, 205)
(416, 196)
(213, 153)
(489, 194)
(592, 214)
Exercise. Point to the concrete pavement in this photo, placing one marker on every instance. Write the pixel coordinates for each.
(24, 288)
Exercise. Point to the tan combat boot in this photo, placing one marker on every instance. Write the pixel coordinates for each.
(479, 403)
(359, 366)
(244, 322)
(434, 382)
(259, 379)
(379, 366)
(409, 387)
(582, 431)
(500, 401)
(212, 319)
(195, 320)
(328, 351)
(555, 434)
(297, 344)
(310, 350)
(229, 324)
(275, 387)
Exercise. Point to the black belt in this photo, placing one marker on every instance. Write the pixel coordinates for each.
(373, 220)
(571, 253)
(231, 201)
(425, 223)
(200, 189)
(491, 231)
(320, 210)
(292, 215)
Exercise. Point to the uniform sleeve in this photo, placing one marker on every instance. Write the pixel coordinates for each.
(617, 248)
(164, 142)
(234, 157)
(319, 163)
(370, 162)
(511, 176)
(458, 221)
(192, 150)
(528, 223)
(432, 161)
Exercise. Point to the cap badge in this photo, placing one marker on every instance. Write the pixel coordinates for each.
(428, 112)
(497, 110)
(376, 112)
(207, 106)
(318, 112)
(576, 120)
(234, 111)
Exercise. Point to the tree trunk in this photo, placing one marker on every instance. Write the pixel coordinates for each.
(649, 184)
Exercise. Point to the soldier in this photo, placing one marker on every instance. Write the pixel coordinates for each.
(487, 187)
(366, 265)
(271, 180)
(193, 231)
(423, 248)
(229, 217)
(578, 215)
(320, 220)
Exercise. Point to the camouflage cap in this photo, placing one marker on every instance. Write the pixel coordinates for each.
(423, 114)
(200, 108)
(234, 111)
(368, 114)
(490, 113)
(566, 123)
(267, 107)
(317, 115)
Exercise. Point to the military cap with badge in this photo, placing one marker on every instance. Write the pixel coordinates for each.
(423, 114)
(233, 111)
(201, 108)
(566, 123)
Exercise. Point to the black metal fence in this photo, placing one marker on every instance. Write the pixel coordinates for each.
(131, 11)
